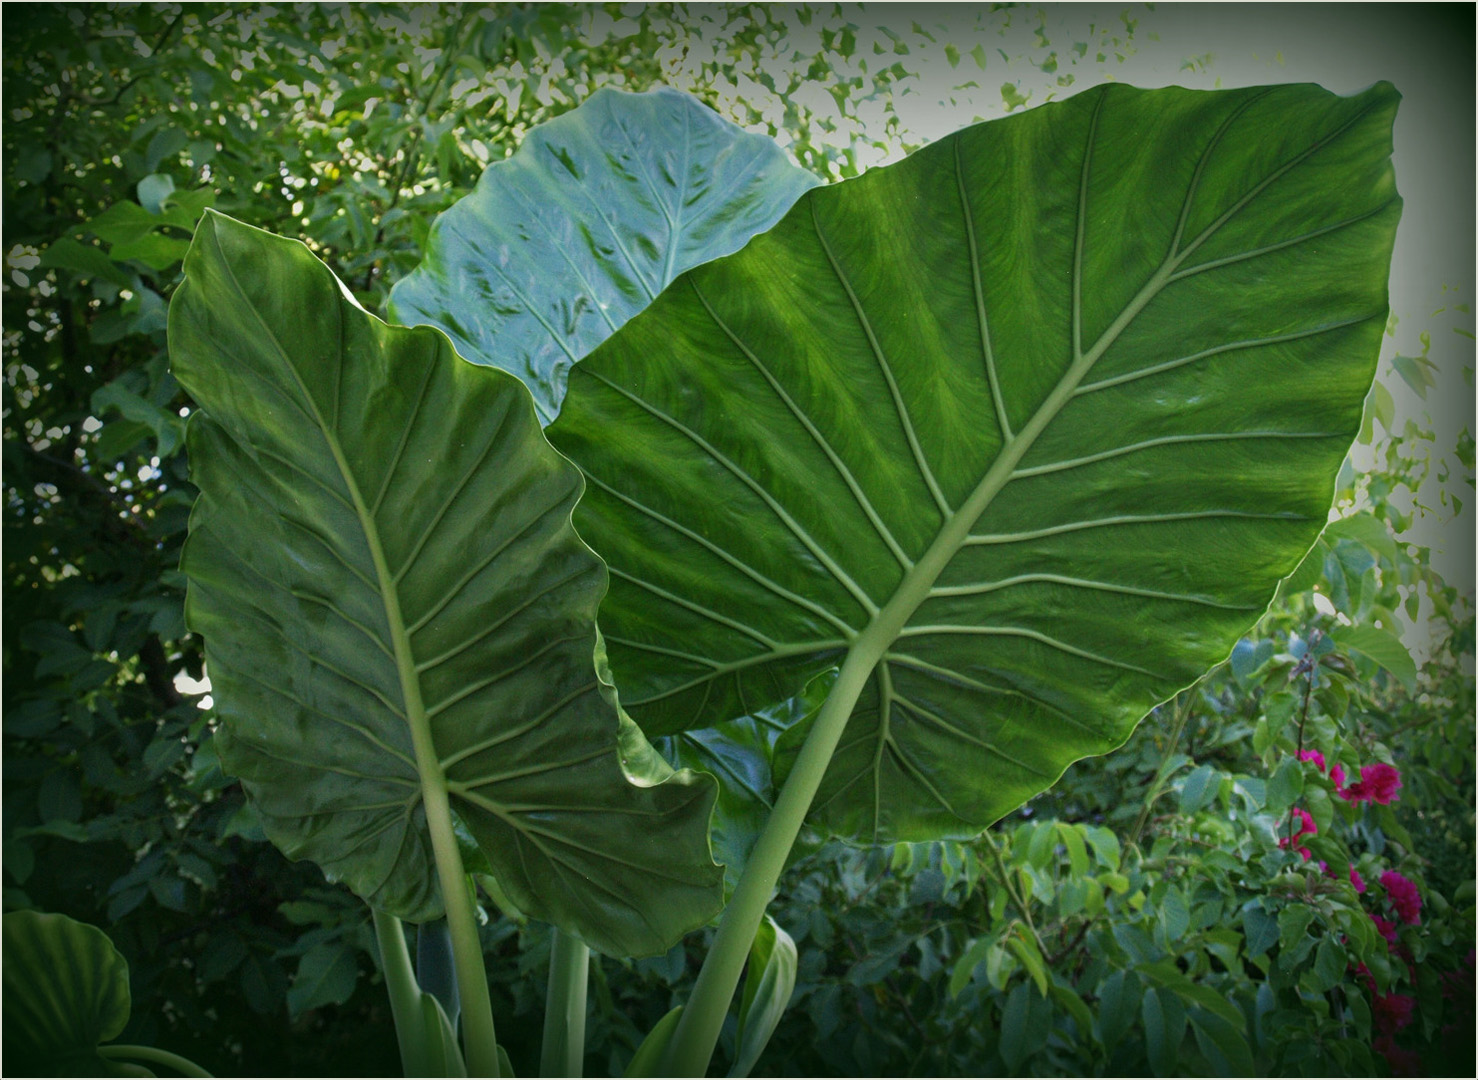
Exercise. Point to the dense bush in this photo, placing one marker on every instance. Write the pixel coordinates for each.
(1246, 864)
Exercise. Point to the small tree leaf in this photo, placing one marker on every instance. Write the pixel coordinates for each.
(1118, 1001)
(153, 190)
(1223, 1043)
(326, 976)
(1293, 923)
(1024, 948)
(1164, 1030)
(88, 260)
(1199, 788)
(1261, 930)
(1382, 646)
(1016, 1035)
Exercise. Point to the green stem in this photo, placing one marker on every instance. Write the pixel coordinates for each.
(1012, 891)
(479, 1040)
(698, 1030)
(1157, 784)
(183, 1066)
(404, 991)
(1313, 665)
(564, 1008)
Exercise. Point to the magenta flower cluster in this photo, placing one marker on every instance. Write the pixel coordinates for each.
(1403, 896)
(1306, 827)
(1379, 784)
(1378, 781)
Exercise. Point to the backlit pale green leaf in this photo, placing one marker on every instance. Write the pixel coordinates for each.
(593, 216)
(1382, 646)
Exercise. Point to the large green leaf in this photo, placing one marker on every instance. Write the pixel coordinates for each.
(1023, 430)
(66, 991)
(382, 565)
(593, 216)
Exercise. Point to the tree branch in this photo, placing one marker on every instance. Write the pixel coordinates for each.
(102, 103)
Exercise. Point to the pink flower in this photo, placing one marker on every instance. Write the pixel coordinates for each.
(1306, 827)
(1314, 756)
(1392, 1012)
(1378, 783)
(1404, 897)
(1337, 774)
(1387, 929)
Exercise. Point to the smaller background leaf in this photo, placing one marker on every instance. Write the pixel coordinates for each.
(1381, 646)
(66, 991)
(767, 989)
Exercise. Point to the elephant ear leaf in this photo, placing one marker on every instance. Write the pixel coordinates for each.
(1021, 432)
(393, 600)
(66, 992)
(593, 216)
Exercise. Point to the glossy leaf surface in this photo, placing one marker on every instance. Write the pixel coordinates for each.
(66, 991)
(1030, 424)
(592, 217)
(383, 568)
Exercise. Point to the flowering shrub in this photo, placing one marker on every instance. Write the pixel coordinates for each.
(1378, 783)
(1403, 896)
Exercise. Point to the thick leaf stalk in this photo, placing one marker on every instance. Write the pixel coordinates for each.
(405, 994)
(563, 1051)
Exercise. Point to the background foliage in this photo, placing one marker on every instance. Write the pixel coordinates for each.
(1140, 918)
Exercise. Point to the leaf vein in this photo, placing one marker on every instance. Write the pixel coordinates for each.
(796, 529)
(863, 502)
(885, 368)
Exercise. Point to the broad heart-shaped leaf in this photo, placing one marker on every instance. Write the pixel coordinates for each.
(1022, 431)
(593, 216)
(382, 565)
(66, 991)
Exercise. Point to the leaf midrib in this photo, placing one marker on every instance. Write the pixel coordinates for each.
(886, 626)
(427, 764)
